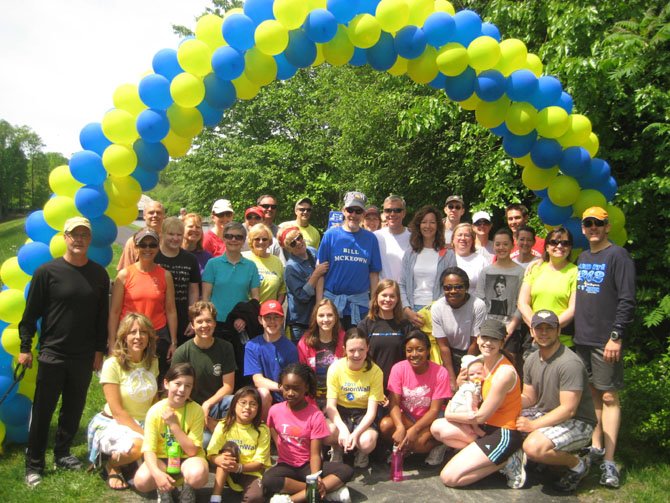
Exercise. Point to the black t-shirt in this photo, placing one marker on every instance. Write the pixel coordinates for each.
(386, 342)
(185, 270)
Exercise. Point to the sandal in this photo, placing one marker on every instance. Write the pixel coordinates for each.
(117, 476)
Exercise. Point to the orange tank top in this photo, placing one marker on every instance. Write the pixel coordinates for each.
(145, 293)
(510, 408)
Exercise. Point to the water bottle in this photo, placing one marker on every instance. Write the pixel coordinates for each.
(396, 464)
(312, 490)
(173, 455)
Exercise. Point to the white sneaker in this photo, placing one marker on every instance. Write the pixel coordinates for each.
(341, 494)
(436, 455)
(281, 498)
(336, 455)
(361, 460)
(515, 469)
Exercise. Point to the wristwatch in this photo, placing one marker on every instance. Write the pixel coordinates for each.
(615, 336)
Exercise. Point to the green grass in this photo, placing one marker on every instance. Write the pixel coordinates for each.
(12, 236)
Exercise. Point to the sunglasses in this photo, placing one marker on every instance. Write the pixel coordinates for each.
(252, 216)
(305, 210)
(234, 237)
(78, 235)
(297, 240)
(261, 240)
(224, 214)
(148, 245)
(563, 242)
(388, 211)
(481, 222)
(454, 206)
(268, 206)
(450, 288)
(355, 209)
(590, 222)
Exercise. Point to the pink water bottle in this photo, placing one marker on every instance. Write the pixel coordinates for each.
(396, 464)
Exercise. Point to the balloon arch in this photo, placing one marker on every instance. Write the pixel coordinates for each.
(234, 56)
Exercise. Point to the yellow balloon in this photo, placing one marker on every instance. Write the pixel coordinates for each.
(444, 6)
(58, 209)
(491, 114)
(524, 161)
(245, 88)
(127, 97)
(615, 216)
(424, 68)
(12, 305)
(62, 183)
(186, 122)
(577, 132)
(521, 118)
(119, 160)
(452, 59)
(552, 122)
(320, 57)
(10, 340)
(563, 190)
(586, 199)
(317, 4)
(513, 55)
(57, 245)
(471, 103)
(536, 178)
(392, 14)
(534, 64)
(339, 50)
(208, 29)
(484, 53)
(259, 68)
(119, 126)
(399, 67)
(271, 37)
(177, 146)
(123, 190)
(122, 215)
(187, 90)
(364, 31)
(3, 432)
(592, 145)
(195, 57)
(619, 236)
(27, 388)
(12, 275)
(419, 10)
(290, 13)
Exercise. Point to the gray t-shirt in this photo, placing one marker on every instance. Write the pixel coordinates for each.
(458, 325)
(564, 371)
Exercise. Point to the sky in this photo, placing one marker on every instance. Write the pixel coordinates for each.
(61, 60)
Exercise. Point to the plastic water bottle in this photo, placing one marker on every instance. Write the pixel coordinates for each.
(173, 452)
(396, 464)
(312, 488)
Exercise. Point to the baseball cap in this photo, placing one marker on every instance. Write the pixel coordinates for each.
(544, 316)
(481, 215)
(303, 200)
(468, 360)
(143, 233)
(271, 307)
(454, 197)
(221, 206)
(595, 212)
(74, 222)
(352, 199)
(256, 210)
(284, 232)
(492, 328)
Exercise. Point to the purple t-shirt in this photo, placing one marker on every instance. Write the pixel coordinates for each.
(418, 390)
(295, 431)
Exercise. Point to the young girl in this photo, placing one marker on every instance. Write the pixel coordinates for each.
(322, 344)
(242, 426)
(298, 428)
(174, 419)
(386, 327)
(354, 389)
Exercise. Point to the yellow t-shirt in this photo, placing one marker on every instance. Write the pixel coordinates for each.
(311, 235)
(137, 386)
(155, 427)
(271, 273)
(353, 388)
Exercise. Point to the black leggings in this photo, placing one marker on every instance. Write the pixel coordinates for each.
(273, 479)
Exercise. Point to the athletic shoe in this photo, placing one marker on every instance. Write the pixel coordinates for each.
(342, 495)
(68, 462)
(336, 455)
(165, 497)
(187, 494)
(361, 460)
(571, 480)
(33, 479)
(595, 454)
(610, 475)
(436, 455)
(281, 498)
(515, 470)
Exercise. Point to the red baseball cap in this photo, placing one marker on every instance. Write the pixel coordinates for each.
(271, 307)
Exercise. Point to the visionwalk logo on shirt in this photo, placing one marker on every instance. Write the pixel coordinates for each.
(590, 277)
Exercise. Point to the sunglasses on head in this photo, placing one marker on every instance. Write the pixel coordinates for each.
(305, 210)
(457, 288)
(268, 206)
(563, 242)
(297, 240)
(388, 211)
(234, 237)
(151, 245)
(354, 209)
(454, 206)
(590, 222)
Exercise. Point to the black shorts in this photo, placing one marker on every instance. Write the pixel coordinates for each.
(352, 417)
(499, 443)
(273, 479)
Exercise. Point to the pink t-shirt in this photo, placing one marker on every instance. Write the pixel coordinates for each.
(295, 431)
(418, 390)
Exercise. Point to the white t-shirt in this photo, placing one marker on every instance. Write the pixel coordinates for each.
(425, 270)
(392, 248)
(472, 265)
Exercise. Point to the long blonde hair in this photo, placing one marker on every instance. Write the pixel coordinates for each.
(121, 346)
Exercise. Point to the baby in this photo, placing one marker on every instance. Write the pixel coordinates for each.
(469, 395)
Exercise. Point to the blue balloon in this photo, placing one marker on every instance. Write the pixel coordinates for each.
(102, 255)
(574, 225)
(439, 28)
(15, 411)
(219, 93)
(238, 31)
(368, 6)
(165, 63)
(410, 42)
(382, 55)
(575, 162)
(461, 87)
(6, 361)
(548, 92)
(490, 85)
(285, 70)
(552, 214)
(227, 63)
(154, 92)
(468, 27)
(26, 289)
(343, 10)
(519, 146)
(521, 85)
(86, 167)
(546, 153)
(210, 116)
(501, 130)
(438, 82)
(359, 57)
(103, 231)
(147, 179)
(320, 26)
(32, 255)
(259, 10)
(152, 125)
(565, 102)
(38, 229)
(596, 175)
(6, 382)
(301, 51)
(152, 156)
(491, 30)
(542, 193)
(609, 189)
(91, 200)
(92, 138)
(17, 434)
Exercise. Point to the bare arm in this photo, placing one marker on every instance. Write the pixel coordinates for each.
(206, 291)
(255, 293)
(445, 352)
(227, 385)
(113, 398)
(193, 293)
(319, 289)
(374, 280)
(524, 303)
(566, 316)
(118, 291)
(567, 408)
(503, 382)
(260, 381)
(171, 312)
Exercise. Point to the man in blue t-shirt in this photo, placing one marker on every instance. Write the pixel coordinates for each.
(354, 263)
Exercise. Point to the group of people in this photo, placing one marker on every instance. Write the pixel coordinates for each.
(424, 338)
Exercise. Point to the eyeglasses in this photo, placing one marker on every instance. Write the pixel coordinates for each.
(388, 211)
(252, 216)
(78, 235)
(355, 209)
(481, 222)
(304, 210)
(250, 404)
(555, 242)
(590, 222)
(268, 206)
(297, 240)
(224, 214)
(147, 245)
(456, 288)
(261, 240)
(454, 206)
(234, 237)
